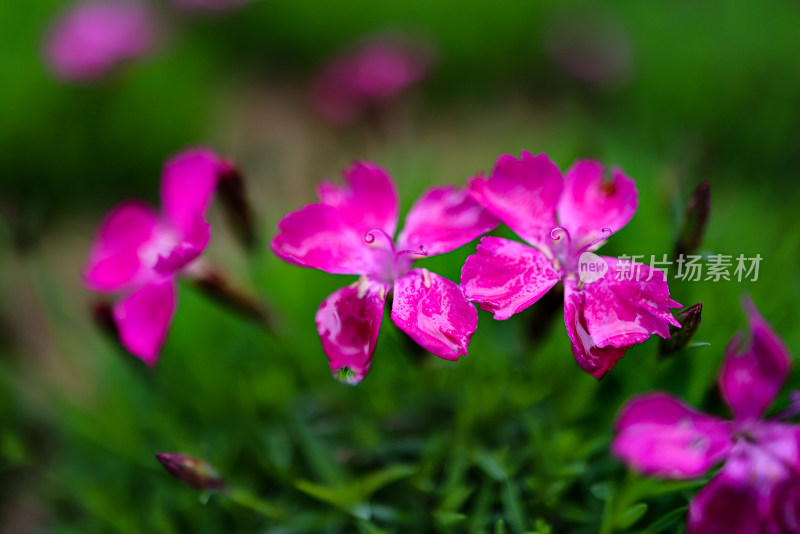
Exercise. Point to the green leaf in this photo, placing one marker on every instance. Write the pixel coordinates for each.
(542, 527)
(491, 465)
(631, 515)
(352, 497)
(447, 518)
(375, 481)
(512, 506)
(665, 521)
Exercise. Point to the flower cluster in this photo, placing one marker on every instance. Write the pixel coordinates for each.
(758, 488)
(138, 253)
(350, 231)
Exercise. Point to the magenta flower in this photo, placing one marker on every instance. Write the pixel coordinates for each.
(371, 75)
(94, 37)
(590, 45)
(139, 253)
(758, 488)
(351, 231)
(563, 219)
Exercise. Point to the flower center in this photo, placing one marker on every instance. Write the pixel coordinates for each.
(395, 263)
(567, 252)
(161, 245)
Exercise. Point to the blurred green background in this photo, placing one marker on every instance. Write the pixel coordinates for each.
(513, 438)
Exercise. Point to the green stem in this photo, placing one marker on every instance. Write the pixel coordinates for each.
(248, 500)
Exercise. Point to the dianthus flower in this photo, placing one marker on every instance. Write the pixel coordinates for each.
(351, 231)
(609, 304)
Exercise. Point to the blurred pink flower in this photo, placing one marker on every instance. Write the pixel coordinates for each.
(94, 37)
(604, 317)
(756, 491)
(139, 253)
(351, 231)
(591, 45)
(373, 74)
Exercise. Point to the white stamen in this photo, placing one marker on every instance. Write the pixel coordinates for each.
(363, 286)
(426, 277)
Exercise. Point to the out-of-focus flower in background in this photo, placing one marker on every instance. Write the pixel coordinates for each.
(756, 490)
(92, 38)
(370, 76)
(591, 46)
(139, 253)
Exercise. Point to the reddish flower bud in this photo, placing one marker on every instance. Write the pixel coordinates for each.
(689, 318)
(196, 472)
(232, 194)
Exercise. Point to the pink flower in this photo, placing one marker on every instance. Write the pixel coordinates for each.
(139, 253)
(371, 75)
(94, 37)
(563, 219)
(351, 231)
(757, 489)
(590, 45)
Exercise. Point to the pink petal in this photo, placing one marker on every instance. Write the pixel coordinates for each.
(589, 203)
(523, 194)
(725, 507)
(187, 187)
(192, 243)
(435, 313)
(505, 277)
(592, 358)
(144, 316)
(181, 256)
(621, 312)
(785, 507)
(443, 219)
(115, 261)
(659, 435)
(750, 379)
(348, 322)
(368, 201)
(318, 236)
(766, 453)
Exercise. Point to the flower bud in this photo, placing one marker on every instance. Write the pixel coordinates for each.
(680, 337)
(196, 472)
(232, 195)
